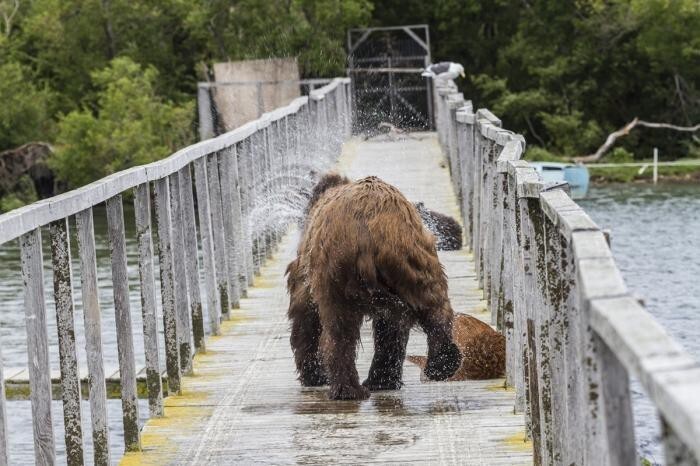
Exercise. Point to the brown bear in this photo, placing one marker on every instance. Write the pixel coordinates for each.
(446, 229)
(483, 350)
(365, 253)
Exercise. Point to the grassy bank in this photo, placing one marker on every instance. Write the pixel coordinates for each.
(626, 174)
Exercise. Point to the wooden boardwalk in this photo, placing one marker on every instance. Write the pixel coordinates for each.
(245, 406)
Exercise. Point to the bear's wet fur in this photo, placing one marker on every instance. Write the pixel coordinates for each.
(364, 252)
(483, 350)
(446, 229)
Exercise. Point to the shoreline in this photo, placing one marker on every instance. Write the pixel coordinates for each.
(624, 174)
(599, 180)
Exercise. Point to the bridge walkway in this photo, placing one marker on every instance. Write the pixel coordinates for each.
(245, 406)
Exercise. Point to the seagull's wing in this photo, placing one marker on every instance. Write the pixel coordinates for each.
(441, 67)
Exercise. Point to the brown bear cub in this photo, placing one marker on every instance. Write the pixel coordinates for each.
(446, 229)
(483, 350)
(365, 253)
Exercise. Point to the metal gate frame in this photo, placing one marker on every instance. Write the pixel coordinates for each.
(358, 36)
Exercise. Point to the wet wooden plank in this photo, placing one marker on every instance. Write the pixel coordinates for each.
(245, 405)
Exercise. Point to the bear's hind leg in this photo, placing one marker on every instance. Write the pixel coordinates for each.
(390, 340)
(339, 337)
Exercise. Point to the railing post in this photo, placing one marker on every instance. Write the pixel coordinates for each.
(206, 122)
(167, 291)
(573, 358)
(245, 171)
(266, 175)
(204, 211)
(37, 347)
(527, 189)
(540, 332)
(618, 409)
(189, 229)
(180, 276)
(142, 211)
(217, 225)
(507, 274)
(463, 156)
(676, 453)
(230, 221)
(518, 175)
(65, 325)
(454, 102)
(481, 150)
(284, 169)
(256, 155)
(597, 278)
(122, 311)
(4, 452)
(239, 226)
(499, 189)
(553, 327)
(93, 337)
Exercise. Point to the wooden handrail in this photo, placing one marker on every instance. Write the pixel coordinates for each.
(227, 178)
(574, 333)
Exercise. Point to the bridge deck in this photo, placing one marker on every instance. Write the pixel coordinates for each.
(244, 405)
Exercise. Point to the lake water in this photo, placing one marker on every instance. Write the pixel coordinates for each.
(656, 243)
(655, 239)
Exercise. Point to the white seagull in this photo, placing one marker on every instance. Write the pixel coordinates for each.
(444, 70)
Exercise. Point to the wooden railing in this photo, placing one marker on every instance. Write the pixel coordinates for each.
(232, 178)
(574, 333)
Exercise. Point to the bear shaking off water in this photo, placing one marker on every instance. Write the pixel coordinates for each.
(365, 252)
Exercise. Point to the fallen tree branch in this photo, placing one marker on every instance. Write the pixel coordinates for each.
(625, 130)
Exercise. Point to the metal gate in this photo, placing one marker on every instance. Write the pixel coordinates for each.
(385, 65)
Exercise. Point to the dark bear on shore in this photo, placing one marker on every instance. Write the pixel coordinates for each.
(364, 252)
(483, 350)
(446, 229)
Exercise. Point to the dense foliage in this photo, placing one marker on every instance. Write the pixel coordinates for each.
(568, 72)
(131, 126)
(111, 83)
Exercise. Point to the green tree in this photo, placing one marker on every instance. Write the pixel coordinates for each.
(131, 126)
(312, 30)
(25, 113)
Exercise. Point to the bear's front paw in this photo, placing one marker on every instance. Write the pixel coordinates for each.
(348, 392)
(383, 383)
(444, 364)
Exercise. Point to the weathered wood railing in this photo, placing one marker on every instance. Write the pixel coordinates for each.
(573, 332)
(232, 178)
